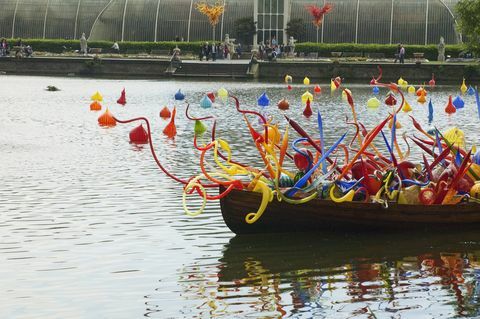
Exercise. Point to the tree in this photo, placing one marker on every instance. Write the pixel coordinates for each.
(244, 29)
(468, 14)
(296, 29)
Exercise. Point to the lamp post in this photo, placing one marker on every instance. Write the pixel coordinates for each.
(255, 22)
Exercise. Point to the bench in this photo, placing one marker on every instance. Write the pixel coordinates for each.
(418, 56)
(95, 50)
(312, 55)
(161, 52)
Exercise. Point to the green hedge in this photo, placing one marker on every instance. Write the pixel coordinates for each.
(59, 46)
(324, 49)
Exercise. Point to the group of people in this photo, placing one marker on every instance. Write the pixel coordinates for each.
(218, 50)
(85, 50)
(20, 49)
(270, 50)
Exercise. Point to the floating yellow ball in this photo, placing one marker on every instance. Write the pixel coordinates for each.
(97, 97)
(373, 103)
(307, 96)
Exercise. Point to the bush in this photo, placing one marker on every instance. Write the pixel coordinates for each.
(59, 46)
(324, 49)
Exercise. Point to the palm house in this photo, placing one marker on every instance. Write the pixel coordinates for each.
(350, 21)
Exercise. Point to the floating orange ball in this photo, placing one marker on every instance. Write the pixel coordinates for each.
(421, 98)
(95, 106)
(283, 104)
(450, 109)
(165, 113)
(397, 124)
(171, 130)
(106, 119)
(317, 89)
(420, 90)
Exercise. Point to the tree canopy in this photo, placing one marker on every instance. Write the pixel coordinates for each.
(468, 14)
(296, 29)
(244, 30)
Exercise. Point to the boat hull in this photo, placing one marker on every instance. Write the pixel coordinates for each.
(349, 216)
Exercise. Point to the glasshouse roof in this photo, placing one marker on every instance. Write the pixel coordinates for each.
(353, 21)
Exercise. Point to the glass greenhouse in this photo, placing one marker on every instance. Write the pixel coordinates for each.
(357, 21)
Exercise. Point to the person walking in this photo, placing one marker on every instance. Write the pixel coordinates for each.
(401, 54)
(397, 53)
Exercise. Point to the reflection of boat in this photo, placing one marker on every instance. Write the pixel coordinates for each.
(328, 215)
(287, 253)
(433, 267)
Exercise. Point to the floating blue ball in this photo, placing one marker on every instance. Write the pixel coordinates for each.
(205, 102)
(471, 90)
(458, 102)
(376, 90)
(179, 96)
(263, 100)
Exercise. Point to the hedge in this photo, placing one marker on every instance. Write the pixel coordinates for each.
(323, 49)
(430, 51)
(59, 46)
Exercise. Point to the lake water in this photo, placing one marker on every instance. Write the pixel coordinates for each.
(90, 228)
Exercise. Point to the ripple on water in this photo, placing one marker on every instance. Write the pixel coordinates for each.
(92, 228)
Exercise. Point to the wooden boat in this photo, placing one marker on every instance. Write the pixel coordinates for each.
(349, 216)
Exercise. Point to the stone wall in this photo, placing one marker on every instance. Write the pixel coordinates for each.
(363, 72)
(155, 68)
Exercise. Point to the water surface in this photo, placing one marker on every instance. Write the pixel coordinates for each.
(90, 228)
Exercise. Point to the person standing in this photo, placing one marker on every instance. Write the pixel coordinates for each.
(401, 54)
(4, 47)
(115, 47)
(213, 51)
(207, 50)
(397, 53)
(83, 44)
(274, 42)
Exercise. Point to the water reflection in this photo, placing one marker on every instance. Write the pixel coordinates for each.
(72, 191)
(338, 276)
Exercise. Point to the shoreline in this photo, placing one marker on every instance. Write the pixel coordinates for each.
(158, 68)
